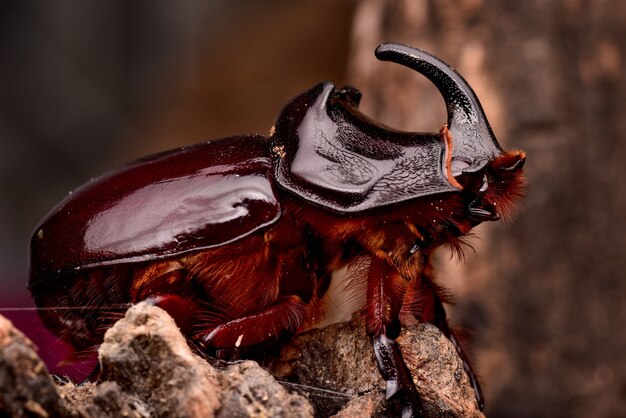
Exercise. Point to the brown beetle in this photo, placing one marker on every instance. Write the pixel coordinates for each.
(240, 239)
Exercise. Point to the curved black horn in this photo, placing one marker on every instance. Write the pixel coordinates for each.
(471, 133)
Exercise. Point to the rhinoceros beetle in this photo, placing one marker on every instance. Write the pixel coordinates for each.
(240, 239)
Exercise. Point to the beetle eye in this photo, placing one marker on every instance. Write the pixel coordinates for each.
(458, 166)
(485, 183)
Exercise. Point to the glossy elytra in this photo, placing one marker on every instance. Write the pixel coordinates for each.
(243, 240)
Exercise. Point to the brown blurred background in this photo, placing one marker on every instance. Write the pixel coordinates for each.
(88, 85)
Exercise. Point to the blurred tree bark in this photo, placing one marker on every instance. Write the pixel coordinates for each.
(545, 295)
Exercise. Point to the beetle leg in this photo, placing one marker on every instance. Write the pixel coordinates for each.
(280, 319)
(399, 380)
(385, 292)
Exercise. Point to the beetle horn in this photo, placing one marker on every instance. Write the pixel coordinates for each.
(471, 133)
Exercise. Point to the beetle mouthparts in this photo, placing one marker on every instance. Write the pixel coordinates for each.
(480, 212)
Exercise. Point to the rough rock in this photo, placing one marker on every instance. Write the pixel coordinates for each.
(102, 401)
(367, 405)
(340, 359)
(148, 370)
(250, 391)
(438, 373)
(26, 388)
(145, 354)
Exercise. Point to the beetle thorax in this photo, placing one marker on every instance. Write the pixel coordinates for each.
(397, 234)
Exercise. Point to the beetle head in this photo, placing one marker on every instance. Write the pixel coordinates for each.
(493, 191)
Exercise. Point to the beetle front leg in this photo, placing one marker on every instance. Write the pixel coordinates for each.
(399, 380)
(385, 292)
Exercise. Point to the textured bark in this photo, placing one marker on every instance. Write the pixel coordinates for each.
(543, 296)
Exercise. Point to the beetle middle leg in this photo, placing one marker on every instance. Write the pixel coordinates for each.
(385, 293)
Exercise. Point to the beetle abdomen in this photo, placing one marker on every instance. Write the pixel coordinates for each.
(80, 307)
